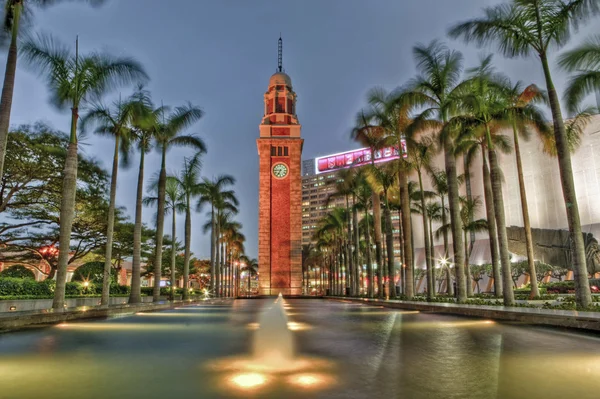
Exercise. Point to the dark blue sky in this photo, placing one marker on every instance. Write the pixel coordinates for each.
(219, 54)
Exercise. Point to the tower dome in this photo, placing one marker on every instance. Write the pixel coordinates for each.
(280, 79)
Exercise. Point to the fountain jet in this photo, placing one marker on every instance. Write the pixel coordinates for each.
(273, 345)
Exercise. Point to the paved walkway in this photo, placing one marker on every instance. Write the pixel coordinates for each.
(551, 317)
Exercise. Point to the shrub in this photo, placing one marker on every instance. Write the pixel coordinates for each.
(17, 286)
(92, 272)
(17, 271)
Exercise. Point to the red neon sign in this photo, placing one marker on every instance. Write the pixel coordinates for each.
(358, 158)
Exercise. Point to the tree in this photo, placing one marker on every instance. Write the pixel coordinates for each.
(420, 158)
(93, 272)
(188, 180)
(73, 80)
(214, 192)
(520, 29)
(433, 91)
(169, 133)
(174, 203)
(143, 123)
(372, 136)
(394, 118)
(16, 12)
(17, 271)
(112, 122)
(585, 61)
(31, 189)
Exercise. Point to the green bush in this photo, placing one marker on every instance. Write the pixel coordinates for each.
(93, 272)
(17, 271)
(17, 286)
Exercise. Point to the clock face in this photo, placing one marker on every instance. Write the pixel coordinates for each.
(280, 170)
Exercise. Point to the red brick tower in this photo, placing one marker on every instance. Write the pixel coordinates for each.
(280, 190)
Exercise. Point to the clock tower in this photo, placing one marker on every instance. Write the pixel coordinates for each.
(280, 189)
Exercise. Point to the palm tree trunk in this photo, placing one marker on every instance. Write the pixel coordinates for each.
(455, 221)
(468, 277)
(491, 219)
(160, 225)
(389, 235)
(350, 272)
(213, 269)
(370, 282)
(378, 239)
(67, 213)
(430, 284)
(432, 251)
(582, 285)
(110, 227)
(469, 198)
(409, 291)
(535, 292)
(9, 85)
(496, 178)
(450, 286)
(217, 257)
(135, 296)
(357, 260)
(173, 250)
(188, 243)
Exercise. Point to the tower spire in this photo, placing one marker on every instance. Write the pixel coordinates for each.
(280, 54)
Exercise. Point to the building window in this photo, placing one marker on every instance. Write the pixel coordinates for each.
(285, 151)
(279, 151)
(273, 151)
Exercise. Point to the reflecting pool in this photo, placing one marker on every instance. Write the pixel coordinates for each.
(340, 350)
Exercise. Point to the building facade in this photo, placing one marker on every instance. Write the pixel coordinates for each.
(280, 218)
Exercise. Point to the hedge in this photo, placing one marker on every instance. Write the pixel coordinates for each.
(17, 271)
(11, 287)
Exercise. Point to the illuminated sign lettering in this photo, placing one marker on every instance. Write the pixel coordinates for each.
(358, 158)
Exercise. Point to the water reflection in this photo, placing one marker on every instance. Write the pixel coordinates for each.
(341, 351)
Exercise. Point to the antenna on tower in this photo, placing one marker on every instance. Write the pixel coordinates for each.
(280, 54)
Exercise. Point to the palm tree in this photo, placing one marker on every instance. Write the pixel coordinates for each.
(394, 117)
(114, 122)
(168, 134)
(344, 186)
(14, 12)
(143, 122)
(525, 117)
(174, 203)
(483, 107)
(214, 192)
(523, 28)
(434, 90)
(333, 225)
(585, 60)
(364, 196)
(188, 180)
(372, 136)
(382, 178)
(420, 158)
(73, 81)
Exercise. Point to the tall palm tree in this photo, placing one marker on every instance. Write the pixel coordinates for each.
(434, 90)
(113, 121)
(188, 180)
(143, 122)
(395, 118)
(215, 193)
(364, 196)
(525, 117)
(420, 158)
(523, 28)
(585, 61)
(15, 13)
(374, 137)
(483, 107)
(73, 81)
(344, 186)
(382, 178)
(333, 225)
(169, 133)
(174, 203)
